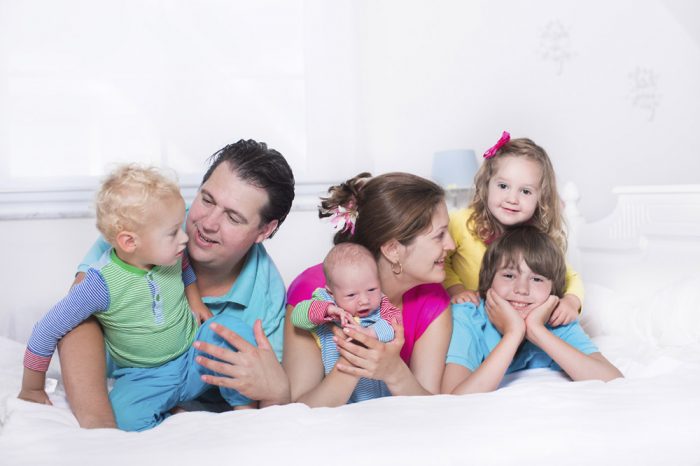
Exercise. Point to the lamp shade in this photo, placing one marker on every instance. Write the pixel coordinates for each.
(454, 168)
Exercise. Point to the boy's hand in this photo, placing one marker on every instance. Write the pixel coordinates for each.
(541, 314)
(338, 314)
(502, 315)
(566, 311)
(35, 396)
(466, 296)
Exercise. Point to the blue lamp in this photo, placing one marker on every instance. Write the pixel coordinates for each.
(455, 169)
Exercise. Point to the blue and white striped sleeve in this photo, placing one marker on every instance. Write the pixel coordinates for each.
(84, 299)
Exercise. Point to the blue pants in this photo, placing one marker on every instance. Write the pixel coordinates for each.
(142, 397)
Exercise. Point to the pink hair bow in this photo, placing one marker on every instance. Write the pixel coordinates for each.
(505, 137)
(344, 219)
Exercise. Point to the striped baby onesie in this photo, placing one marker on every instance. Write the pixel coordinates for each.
(312, 315)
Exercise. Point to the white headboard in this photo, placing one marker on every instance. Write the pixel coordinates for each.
(650, 240)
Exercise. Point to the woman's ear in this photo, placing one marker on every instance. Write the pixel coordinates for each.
(391, 250)
(126, 241)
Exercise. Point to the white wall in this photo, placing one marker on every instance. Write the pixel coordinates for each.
(608, 88)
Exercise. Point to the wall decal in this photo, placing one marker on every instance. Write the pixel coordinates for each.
(644, 93)
(555, 45)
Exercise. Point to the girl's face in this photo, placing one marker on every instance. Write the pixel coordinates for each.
(423, 261)
(521, 287)
(514, 190)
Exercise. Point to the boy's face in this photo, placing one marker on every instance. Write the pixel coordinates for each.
(521, 287)
(163, 241)
(355, 288)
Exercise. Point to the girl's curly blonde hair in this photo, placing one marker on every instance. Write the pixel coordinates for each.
(128, 196)
(548, 216)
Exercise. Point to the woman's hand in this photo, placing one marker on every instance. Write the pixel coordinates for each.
(369, 357)
(253, 372)
(503, 316)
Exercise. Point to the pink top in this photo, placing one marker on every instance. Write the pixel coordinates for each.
(421, 304)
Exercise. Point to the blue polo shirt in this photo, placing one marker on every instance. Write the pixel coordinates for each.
(474, 337)
(257, 293)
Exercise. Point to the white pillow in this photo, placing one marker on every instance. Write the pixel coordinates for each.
(669, 316)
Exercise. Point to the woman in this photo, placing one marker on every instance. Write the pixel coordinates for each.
(402, 219)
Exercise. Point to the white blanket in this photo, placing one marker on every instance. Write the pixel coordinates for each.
(539, 417)
(642, 307)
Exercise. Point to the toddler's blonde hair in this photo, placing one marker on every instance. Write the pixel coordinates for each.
(127, 197)
(548, 216)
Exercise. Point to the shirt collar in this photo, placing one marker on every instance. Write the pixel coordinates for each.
(241, 291)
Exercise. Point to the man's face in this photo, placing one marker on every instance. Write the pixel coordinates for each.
(224, 220)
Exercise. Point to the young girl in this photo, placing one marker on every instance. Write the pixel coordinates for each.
(143, 293)
(521, 280)
(351, 298)
(515, 185)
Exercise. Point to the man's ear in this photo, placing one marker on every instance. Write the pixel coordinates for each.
(267, 230)
(127, 241)
(391, 250)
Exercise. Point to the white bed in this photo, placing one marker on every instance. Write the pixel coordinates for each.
(642, 307)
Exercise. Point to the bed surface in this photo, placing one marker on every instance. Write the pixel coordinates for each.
(650, 329)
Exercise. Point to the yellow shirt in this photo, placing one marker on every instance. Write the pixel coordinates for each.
(462, 266)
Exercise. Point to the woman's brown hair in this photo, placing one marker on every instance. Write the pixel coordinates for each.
(391, 206)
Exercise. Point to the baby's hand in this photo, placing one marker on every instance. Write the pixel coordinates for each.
(202, 313)
(566, 311)
(338, 314)
(466, 296)
(35, 396)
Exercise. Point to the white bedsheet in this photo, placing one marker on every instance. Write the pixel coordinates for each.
(539, 417)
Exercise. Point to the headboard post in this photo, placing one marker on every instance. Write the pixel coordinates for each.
(574, 221)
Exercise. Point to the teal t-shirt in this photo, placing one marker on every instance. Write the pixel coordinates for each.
(474, 337)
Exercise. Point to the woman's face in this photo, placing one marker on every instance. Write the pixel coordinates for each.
(423, 261)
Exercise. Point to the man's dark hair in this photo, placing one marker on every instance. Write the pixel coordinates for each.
(264, 168)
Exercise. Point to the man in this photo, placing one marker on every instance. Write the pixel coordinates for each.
(245, 196)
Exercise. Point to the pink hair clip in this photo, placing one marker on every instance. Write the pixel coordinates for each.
(505, 137)
(344, 218)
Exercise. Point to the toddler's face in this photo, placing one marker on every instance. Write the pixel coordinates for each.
(163, 240)
(355, 288)
(514, 190)
(521, 287)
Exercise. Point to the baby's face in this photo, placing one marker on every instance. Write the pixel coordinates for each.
(355, 288)
(521, 287)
